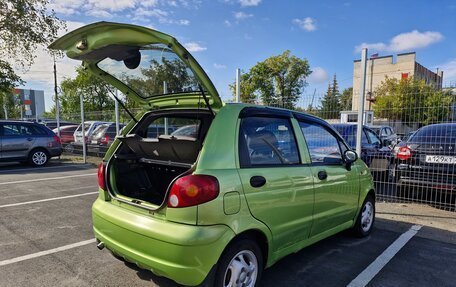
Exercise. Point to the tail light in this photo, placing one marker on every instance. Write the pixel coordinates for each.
(192, 190)
(57, 139)
(403, 152)
(101, 176)
(104, 140)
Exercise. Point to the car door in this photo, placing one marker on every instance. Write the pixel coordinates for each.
(336, 186)
(16, 143)
(379, 154)
(278, 188)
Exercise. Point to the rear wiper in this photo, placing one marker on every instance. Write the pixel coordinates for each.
(206, 100)
(122, 105)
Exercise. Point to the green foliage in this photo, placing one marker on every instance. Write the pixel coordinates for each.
(95, 91)
(9, 102)
(24, 25)
(346, 99)
(248, 93)
(330, 104)
(277, 81)
(412, 101)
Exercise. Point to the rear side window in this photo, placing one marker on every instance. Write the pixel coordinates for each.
(11, 130)
(372, 137)
(323, 146)
(266, 141)
(174, 126)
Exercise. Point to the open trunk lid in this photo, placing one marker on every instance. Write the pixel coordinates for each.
(150, 67)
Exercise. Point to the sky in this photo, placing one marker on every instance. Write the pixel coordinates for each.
(227, 34)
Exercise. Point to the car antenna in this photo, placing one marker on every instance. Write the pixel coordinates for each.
(122, 105)
(206, 100)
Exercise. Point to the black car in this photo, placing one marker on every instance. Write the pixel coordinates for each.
(102, 138)
(377, 156)
(427, 160)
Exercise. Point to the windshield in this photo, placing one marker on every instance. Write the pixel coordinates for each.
(150, 71)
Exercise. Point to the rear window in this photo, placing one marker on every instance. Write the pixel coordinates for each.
(435, 134)
(174, 126)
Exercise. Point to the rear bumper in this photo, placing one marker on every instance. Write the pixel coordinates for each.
(434, 179)
(183, 253)
(55, 151)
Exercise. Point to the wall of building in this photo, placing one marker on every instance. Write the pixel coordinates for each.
(381, 67)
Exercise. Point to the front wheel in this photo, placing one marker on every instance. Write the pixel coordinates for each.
(38, 157)
(366, 218)
(241, 264)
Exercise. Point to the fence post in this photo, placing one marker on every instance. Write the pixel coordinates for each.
(116, 107)
(165, 91)
(238, 85)
(84, 152)
(57, 103)
(362, 95)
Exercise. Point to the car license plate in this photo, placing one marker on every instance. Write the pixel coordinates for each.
(94, 142)
(441, 159)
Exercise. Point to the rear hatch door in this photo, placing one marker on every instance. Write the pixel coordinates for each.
(149, 67)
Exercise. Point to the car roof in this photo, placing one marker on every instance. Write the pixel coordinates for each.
(15, 122)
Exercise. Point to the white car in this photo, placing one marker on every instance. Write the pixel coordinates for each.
(89, 127)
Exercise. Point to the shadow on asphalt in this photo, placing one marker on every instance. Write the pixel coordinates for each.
(53, 166)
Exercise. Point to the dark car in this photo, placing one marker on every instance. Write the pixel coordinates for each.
(52, 124)
(377, 156)
(386, 134)
(427, 160)
(102, 138)
(28, 142)
(66, 133)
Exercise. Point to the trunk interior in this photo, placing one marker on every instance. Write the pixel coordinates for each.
(160, 148)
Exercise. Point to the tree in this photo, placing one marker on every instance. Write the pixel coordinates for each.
(411, 101)
(96, 95)
(278, 80)
(330, 104)
(346, 99)
(24, 25)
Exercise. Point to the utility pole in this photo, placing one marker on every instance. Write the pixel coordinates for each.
(362, 96)
(57, 103)
(165, 91)
(238, 85)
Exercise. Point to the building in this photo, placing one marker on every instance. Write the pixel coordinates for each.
(380, 67)
(32, 101)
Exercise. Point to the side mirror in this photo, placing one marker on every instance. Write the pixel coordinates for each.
(350, 157)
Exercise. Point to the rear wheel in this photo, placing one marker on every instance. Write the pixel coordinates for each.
(241, 264)
(38, 157)
(366, 218)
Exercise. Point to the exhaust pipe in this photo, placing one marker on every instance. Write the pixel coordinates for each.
(100, 245)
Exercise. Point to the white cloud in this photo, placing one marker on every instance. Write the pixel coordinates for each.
(66, 7)
(318, 76)
(307, 24)
(99, 13)
(227, 23)
(246, 3)
(194, 47)
(242, 16)
(219, 66)
(149, 3)
(113, 5)
(404, 42)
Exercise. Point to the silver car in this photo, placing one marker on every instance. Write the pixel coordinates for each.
(28, 142)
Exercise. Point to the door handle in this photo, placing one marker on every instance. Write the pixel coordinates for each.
(322, 175)
(257, 181)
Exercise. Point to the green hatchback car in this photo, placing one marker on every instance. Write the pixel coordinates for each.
(215, 206)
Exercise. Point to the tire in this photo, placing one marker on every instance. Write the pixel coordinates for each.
(38, 157)
(243, 257)
(366, 218)
(69, 148)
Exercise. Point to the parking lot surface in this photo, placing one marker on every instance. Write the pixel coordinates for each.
(46, 239)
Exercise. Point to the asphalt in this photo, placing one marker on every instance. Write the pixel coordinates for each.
(428, 259)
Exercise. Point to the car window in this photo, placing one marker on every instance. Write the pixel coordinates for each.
(323, 146)
(373, 139)
(11, 130)
(384, 132)
(175, 126)
(391, 131)
(267, 141)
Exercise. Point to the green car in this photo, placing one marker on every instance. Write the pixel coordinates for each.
(245, 186)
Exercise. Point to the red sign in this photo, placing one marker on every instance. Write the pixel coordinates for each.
(27, 102)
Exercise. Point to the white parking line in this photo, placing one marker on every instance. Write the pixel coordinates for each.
(46, 252)
(47, 199)
(82, 166)
(48, 178)
(369, 273)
